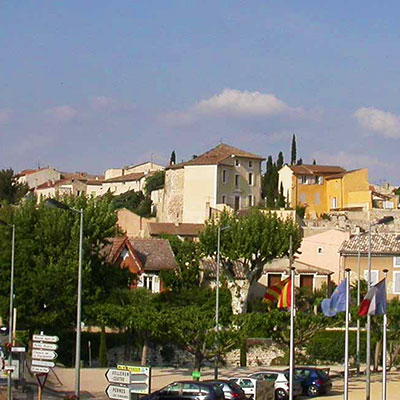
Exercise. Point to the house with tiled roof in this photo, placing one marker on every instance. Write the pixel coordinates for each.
(61, 187)
(325, 188)
(145, 258)
(385, 254)
(224, 176)
(35, 177)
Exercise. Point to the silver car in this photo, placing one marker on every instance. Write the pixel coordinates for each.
(281, 380)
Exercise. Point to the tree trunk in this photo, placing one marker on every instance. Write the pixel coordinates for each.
(394, 355)
(198, 360)
(128, 345)
(145, 352)
(239, 292)
(378, 348)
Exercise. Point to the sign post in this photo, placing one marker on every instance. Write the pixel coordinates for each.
(43, 354)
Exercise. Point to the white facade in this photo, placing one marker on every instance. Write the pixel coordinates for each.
(286, 178)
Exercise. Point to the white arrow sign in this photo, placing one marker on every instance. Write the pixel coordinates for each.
(45, 338)
(118, 376)
(118, 392)
(44, 346)
(42, 370)
(44, 354)
(42, 363)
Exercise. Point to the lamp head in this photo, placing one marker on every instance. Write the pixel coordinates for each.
(51, 203)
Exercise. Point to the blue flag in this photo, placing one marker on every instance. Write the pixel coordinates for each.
(337, 302)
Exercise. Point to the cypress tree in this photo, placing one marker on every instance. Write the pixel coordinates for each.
(314, 162)
(279, 162)
(172, 160)
(293, 151)
(281, 198)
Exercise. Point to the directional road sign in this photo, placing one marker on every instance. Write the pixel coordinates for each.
(140, 380)
(41, 363)
(118, 376)
(44, 346)
(43, 370)
(45, 338)
(118, 392)
(44, 354)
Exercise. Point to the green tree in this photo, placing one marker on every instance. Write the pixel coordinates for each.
(279, 161)
(293, 152)
(133, 201)
(46, 261)
(154, 182)
(281, 198)
(172, 159)
(187, 256)
(252, 241)
(11, 191)
(103, 356)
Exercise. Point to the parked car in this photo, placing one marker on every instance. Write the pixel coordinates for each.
(281, 379)
(247, 384)
(232, 391)
(314, 381)
(187, 390)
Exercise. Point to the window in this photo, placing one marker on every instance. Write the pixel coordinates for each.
(334, 202)
(396, 282)
(174, 388)
(374, 276)
(251, 202)
(320, 180)
(317, 199)
(396, 262)
(223, 199)
(237, 180)
(250, 164)
(273, 279)
(306, 281)
(224, 174)
(237, 162)
(148, 282)
(303, 198)
(320, 250)
(237, 203)
(303, 180)
(250, 178)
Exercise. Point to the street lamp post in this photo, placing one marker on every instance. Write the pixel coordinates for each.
(384, 220)
(217, 295)
(10, 322)
(56, 204)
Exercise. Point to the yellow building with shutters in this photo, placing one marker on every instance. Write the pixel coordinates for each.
(325, 188)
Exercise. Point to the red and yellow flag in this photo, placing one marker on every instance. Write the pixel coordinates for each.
(280, 292)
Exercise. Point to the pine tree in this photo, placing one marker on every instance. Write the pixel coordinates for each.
(172, 160)
(293, 151)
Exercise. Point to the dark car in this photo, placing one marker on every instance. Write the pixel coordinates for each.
(187, 390)
(232, 391)
(314, 381)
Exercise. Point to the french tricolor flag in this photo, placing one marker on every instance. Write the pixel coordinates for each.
(374, 302)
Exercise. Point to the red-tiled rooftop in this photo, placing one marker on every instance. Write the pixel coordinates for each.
(135, 176)
(217, 155)
(306, 169)
(381, 244)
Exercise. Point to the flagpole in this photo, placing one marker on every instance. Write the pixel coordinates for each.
(384, 339)
(368, 355)
(291, 361)
(358, 306)
(346, 338)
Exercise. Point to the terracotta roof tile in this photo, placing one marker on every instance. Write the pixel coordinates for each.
(135, 176)
(154, 254)
(217, 155)
(381, 244)
(306, 169)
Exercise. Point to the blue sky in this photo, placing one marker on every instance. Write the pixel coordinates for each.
(90, 85)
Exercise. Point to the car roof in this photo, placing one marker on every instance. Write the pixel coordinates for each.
(196, 382)
(269, 371)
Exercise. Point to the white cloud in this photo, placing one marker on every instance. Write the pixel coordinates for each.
(62, 113)
(350, 160)
(5, 115)
(104, 103)
(236, 103)
(381, 122)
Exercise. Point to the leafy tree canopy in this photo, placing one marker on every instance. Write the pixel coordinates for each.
(11, 191)
(154, 182)
(133, 201)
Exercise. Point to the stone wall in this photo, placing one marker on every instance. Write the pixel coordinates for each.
(169, 355)
(170, 209)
